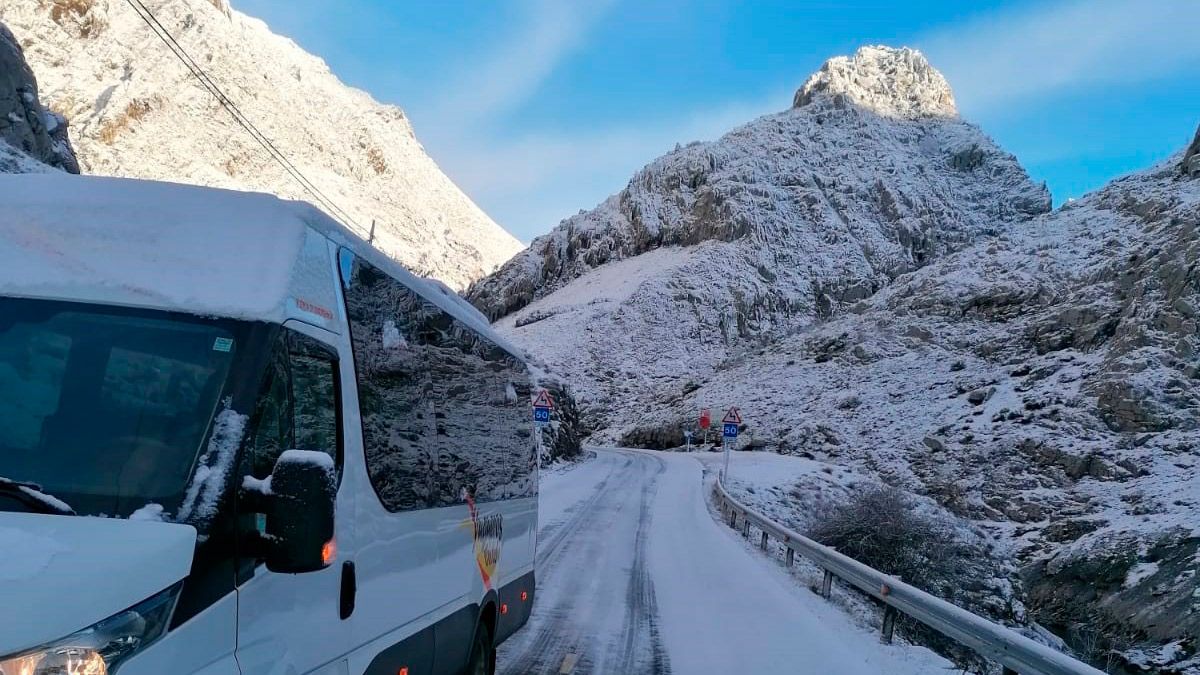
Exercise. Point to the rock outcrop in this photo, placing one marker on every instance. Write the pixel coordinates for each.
(136, 111)
(719, 247)
(28, 130)
(889, 82)
(1190, 165)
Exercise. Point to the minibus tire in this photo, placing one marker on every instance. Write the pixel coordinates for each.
(483, 652)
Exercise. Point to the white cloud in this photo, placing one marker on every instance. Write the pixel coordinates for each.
(1006, 58)
(496, 80)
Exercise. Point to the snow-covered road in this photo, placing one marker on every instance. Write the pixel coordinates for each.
(635, 576)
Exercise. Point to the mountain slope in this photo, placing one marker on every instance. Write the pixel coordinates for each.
(1044, 383)
(136, 111)
(717, 247)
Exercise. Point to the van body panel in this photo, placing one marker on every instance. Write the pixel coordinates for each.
(202, 646)
(400, 565)
(279, 614)
(518, 596)
(312, 294)
(288, 623)
(113, 563)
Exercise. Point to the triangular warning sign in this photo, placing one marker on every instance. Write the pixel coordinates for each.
(543, 400)
(734, 416)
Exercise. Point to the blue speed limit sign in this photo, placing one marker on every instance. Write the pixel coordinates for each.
(541, 415)
(730, 430)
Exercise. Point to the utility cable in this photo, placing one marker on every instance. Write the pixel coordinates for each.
(213, 88)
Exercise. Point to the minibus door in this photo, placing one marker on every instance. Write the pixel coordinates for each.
(293, 622)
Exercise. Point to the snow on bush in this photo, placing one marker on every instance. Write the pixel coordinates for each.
(889, 530)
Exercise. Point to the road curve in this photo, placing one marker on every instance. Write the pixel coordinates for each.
(635, 576)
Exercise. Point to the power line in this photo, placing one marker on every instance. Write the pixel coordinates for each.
(236, 112)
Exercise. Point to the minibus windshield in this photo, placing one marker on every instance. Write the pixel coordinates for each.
(107, 409)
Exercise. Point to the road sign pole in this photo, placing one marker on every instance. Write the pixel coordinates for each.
(729, 432)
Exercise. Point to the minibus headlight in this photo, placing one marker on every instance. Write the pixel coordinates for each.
(100, 648)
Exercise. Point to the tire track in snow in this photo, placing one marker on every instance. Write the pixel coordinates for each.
(552, 637)
(550, 542)
(587, 574)
(641, 605)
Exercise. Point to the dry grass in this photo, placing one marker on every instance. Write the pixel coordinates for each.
(376, 160)
(135, 111)
(75, 16)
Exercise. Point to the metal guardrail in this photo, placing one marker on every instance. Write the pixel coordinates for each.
(1015, 652)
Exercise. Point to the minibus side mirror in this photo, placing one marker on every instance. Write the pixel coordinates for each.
(299, 510)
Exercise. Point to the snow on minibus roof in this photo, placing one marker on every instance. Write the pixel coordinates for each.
(187, 248)
(143, 243)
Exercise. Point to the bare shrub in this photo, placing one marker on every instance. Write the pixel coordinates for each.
(887, 529)
(75, 16)
(882, 527)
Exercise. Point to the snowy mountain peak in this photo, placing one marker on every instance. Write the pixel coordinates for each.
(898, 83)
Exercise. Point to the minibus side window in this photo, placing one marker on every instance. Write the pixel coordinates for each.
(298, 406)
(396, 377)
(445, 412)
(486, 446)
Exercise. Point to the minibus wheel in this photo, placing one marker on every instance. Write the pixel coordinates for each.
(483, 653)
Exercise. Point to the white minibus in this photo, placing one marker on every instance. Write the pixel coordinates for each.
(235, 439)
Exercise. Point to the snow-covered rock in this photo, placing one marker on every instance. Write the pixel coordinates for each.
(1190, 165)
(136, 111)
(32, 137)
(719, 247)
(890, 82)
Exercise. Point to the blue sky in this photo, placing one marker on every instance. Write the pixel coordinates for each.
(540, 108)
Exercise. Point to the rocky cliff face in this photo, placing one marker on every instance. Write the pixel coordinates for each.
(1044, 383)
(32, 137)
(718, 247)
(136, 111)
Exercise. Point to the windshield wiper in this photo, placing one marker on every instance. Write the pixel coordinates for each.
(31, 496)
